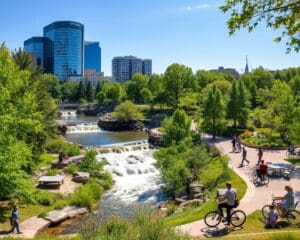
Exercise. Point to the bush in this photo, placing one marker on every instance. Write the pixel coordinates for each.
(44, 198)
(171, 208)
(90, 163)
(87, 195)
(251, 128)
(52, 172)
(230, 131)
(214, 151)
(42, 215)
(71, 169)
(60, 145)
(247, 134)
(106, 180)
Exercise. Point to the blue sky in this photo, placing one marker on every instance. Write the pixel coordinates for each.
(191, 32)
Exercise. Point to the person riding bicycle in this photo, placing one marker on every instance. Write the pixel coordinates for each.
(262, 170)
(230, 197)
(286, 201)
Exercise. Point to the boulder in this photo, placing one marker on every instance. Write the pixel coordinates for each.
(80, 177)
(57, 216)
(179, 200)
(194, 202)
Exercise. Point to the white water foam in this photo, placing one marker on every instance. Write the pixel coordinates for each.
(68, 114)
(137, 181)
(83, 128)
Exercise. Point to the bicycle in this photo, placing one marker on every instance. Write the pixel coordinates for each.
(213, 218)
(293, 152)
(265, 179)
(292, 215)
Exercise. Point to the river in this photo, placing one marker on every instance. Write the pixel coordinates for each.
(137, 181)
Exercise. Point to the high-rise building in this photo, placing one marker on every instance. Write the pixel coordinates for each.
(147, 67)
(123, 68)
(64, 49)
(92, 56)
(35, 47)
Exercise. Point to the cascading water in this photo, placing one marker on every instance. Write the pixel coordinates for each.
(83, 128)
(137, 182)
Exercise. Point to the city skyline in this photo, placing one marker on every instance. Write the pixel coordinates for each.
(167, 32)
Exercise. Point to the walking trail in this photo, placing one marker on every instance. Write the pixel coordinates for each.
(255, 197)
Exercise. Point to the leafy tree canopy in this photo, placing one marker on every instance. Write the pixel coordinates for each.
(282, 15)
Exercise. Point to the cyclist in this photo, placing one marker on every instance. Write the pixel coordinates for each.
(286, 201)
(230, 197)
(262, 170)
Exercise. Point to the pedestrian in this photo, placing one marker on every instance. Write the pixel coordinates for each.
(239, 143)
(14, 220)
(244, 156)
(259, 154)
(61, 157)
(233, 143)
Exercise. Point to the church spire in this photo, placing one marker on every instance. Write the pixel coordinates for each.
(247, 67)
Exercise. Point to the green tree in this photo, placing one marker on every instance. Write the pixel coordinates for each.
(90, 92)
(233, 104)
(279, 15)
(54, 88)
(135, 86)
(113, 92)
(81, 91)
(244, 104)
(294, 128)
(22, 59)
(127, 111)
(90, 163)
(213, 112)
(69, 91)
(176, 128)
(98, 88)
(177, 79)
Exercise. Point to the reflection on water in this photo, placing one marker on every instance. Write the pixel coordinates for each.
(104, 137)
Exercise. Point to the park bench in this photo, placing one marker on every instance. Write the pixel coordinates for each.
(51, 180)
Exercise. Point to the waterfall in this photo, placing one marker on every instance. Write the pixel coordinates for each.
(67, 114)
(125, 147)
(137, 181)
(83, 128)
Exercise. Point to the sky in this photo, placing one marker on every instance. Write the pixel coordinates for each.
(190, 32)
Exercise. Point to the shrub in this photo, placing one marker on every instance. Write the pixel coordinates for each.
(90, 163)
(44, 198)
(42, 215)
(71, 169)
(251, 128)
(171, 208)
(71, 149)
(60, 145)
(247, 134)
(87, 195)
(52, 172)
(214, 151)
(106, 180)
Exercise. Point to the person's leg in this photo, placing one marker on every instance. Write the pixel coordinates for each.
(17, 227)
(228, 213)
(220, 208)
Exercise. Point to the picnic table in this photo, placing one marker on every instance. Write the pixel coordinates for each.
(55, 180)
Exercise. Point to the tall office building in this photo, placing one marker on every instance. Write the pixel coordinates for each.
(92, 56)
(35, 47)
(123, 68)
(147, 67)
(64, 49)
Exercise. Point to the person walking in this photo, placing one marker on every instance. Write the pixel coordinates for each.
(15, 220)
(233, 144)
(239, 143)
(244, 156)
(260, 155)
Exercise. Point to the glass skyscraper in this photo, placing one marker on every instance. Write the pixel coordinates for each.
(147, 67)
(35, 45)
(64, 49)
(92, 56)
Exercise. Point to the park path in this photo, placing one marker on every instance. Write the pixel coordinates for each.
(255, 197)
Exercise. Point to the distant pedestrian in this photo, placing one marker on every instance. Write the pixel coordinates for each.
(234, 144)
(14, 220)
(260, 155)
(244, 156)
(61, 157)
(239, 143)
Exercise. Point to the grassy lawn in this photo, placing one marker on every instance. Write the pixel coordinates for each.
(195, 213)
(254, 230)
(295, 161)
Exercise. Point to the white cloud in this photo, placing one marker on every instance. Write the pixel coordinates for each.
(198, 7)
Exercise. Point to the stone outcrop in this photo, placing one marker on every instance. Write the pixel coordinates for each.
(155, 137)
(57, 216)
(81, 177)
(110, 123)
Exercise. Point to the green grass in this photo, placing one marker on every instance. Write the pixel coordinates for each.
(295, 161)
(196, 213)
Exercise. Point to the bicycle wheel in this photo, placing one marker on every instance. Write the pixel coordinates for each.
(238, 218)
(212, 218)
(293, 217)
(266, 179)
(255, 176)
(265, 211)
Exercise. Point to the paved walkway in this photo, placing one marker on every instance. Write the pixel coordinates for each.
(255, 197)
